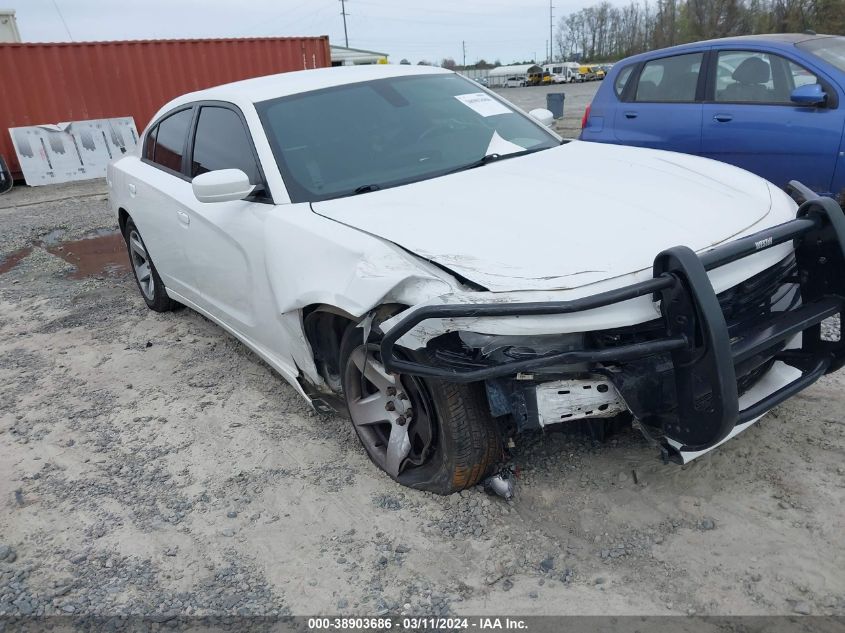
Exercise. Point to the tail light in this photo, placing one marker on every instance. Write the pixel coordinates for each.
(586, 116)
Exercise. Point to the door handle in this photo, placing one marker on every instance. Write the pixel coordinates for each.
(132, 190)
(723, 118)
(630, 115)
(184, 218)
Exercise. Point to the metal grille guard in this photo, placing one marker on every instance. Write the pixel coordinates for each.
(704, 358)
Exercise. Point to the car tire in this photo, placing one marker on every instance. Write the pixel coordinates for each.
(145, 273)
(464, 441)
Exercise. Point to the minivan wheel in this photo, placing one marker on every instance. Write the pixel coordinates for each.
(146, 275)
(425, 434)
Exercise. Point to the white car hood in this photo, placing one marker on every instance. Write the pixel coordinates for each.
(561, 218)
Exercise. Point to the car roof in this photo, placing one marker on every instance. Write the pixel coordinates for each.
(774, 40)
(284, 84)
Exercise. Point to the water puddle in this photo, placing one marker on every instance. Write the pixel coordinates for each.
(101, 253)
(7, 262)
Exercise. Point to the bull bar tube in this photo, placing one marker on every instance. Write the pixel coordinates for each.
(703, 356)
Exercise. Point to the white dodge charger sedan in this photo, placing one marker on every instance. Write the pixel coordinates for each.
(396, 243)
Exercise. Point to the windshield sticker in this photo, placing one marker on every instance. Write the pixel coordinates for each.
(483, 104)
(502, 147)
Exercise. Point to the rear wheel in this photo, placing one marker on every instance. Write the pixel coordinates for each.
(146, 275)
(425, 434)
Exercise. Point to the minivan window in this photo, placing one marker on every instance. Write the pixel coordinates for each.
(222, 142)
(170, 140)
(670, 79)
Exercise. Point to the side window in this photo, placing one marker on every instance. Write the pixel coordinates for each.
(621, 80)
(222, 142)
(670, 79)
(753, 77)
(800, 76)
(170, 140)
(150, 146)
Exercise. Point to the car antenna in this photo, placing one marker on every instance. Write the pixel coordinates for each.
(809, 32)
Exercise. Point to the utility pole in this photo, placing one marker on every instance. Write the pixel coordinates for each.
(464, 45)
(343, 13)
(551, 40)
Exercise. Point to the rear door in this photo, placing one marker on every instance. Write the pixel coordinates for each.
(661, 108)
(749, 120)
(158, 190)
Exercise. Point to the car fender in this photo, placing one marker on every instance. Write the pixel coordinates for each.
(313, 260)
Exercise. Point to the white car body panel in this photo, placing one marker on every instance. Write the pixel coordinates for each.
(631, 312)
(253, 267)
(509, 237)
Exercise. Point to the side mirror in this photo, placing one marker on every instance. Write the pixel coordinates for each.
(808, 94)
(543, 116)
(222, 185)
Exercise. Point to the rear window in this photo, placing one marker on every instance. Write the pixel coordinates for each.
(830, 49)
(170, 140)
(622, 80)
(670, 79)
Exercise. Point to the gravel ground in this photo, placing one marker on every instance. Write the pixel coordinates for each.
(578, 97)
(150, 464)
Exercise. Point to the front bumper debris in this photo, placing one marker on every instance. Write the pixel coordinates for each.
(707, 367)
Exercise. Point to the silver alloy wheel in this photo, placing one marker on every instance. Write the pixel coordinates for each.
(141, 265)
(383, 416)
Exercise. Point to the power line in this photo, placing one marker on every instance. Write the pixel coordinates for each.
(343, 13)
(62, 18)
(266, 21)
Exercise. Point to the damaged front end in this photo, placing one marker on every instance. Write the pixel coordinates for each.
(705, 369)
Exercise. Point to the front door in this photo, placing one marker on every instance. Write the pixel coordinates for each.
(225, 239)
(750, 121)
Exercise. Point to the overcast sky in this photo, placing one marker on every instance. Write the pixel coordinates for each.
(507, 30)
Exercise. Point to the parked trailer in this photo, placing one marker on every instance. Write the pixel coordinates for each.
(58, 82)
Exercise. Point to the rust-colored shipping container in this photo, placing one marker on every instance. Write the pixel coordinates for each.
(55, 82)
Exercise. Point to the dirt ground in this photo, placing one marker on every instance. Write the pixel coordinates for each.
(576, 99)
(150, 464)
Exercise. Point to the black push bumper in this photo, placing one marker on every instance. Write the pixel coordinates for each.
(704, 358)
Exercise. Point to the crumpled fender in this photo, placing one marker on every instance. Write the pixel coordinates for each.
(314, 260)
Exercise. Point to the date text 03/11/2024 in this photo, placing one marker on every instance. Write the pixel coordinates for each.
(417, 623)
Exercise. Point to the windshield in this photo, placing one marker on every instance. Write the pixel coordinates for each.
(371, 135)
(830, 49)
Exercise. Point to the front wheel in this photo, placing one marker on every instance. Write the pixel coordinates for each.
(426, 434)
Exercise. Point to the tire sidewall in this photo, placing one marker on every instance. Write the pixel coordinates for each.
(441, 473)
(160, 301)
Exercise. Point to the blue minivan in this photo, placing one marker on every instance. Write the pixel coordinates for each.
(771, 104)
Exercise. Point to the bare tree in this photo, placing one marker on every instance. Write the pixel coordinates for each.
(605, 32)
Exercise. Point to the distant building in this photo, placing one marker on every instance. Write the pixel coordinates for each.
(474, 73)
(8, 26)
(342, 56)
(511, 75)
